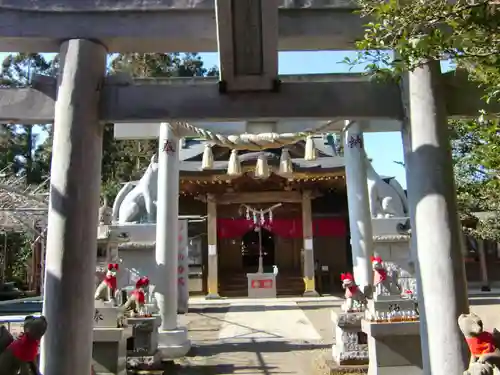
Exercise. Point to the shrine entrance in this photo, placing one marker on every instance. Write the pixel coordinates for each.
(255, 243)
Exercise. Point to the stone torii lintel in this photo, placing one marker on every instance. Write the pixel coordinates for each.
(149, 26)
(154, 101)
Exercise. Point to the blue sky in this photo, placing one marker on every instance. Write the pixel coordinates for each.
(383, 148)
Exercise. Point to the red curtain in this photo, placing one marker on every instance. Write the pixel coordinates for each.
(290, 228)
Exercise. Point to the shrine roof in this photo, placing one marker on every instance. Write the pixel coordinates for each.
(191, 154)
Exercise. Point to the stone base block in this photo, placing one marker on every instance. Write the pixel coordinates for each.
(349, 357)
(144, 338)
(351, 320)
(261, 285)
(311, 293)
(324, 365)
(106, 315)
(212, 296)
(172, 344)
(350, 342)
(394, 348)
(109, 351)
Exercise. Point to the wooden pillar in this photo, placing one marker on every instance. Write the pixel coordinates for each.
(213, 281)
(485, 283)
(310, 288)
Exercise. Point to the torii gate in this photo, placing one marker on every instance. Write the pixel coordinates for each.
(247, 34)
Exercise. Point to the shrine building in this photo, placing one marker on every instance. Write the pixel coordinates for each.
(268, 208)
(310, 195)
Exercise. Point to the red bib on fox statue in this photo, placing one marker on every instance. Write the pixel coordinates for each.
(107, 288)
(20, 354)
(379, 272)
(138, 293)
(110, 279)
(25, 348)
(349, 285)
(383, 283)
(137, 300)
(352, 293)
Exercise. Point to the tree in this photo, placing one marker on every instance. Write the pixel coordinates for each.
(126, 160)
(24, 155)
(468, 34)
(477, 173)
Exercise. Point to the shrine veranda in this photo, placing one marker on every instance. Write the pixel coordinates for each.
(250, 90)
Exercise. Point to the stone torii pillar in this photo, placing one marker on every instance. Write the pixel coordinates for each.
(68, 301)
(173, 340)
(438, 236)
(360, 220)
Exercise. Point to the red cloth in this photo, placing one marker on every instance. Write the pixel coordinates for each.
(110, 281)
(139, 296)
(351, 291)
(142, 282)
(288, 228)
(379, 276)
(24, 348)
(482, 344)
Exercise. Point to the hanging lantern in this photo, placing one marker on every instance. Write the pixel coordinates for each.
(234, 166)
(207, 161)
(286, 167)
(262, 168)
(270, 217)
(310, 150)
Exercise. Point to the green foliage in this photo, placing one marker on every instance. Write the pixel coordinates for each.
(16, 247)
(162, 65)
(126, 160)
(401, 35)
(22, 152)
(475, 148)
(417, 31)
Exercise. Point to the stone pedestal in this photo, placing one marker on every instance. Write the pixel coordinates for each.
(109, 349)
(172, 344)
(394, 348)
(261, 285)
(144, 336)
(392, 244)
(350, 346)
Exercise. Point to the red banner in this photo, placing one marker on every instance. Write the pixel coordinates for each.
(288, 228)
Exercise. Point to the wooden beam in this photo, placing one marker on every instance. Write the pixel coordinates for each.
(344, 96)
(259, 197)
